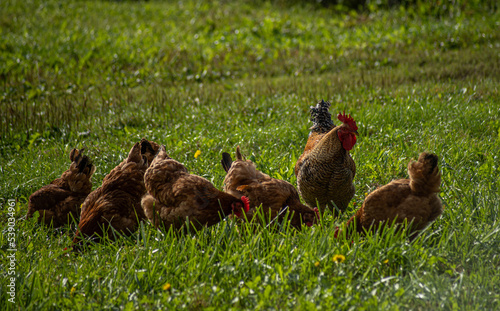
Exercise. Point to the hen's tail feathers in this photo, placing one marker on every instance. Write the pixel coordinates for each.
(134, 154)
(321, 118)
(425, 177)
(85, 165)
(226, 161)
(75, 153)
(162, 153)
(82, 162)
(238, 154)
(147, 147)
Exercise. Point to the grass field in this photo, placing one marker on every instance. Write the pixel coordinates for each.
(208, 76)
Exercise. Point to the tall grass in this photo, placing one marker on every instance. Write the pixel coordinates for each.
(68, 63)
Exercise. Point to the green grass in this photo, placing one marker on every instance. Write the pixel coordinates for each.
(198, 76)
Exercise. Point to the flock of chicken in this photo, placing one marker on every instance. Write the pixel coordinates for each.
(149, 185)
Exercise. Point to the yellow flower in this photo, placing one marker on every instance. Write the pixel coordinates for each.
(197, 154)
(167, 286)
(386, 261)
(72, 291)
(338, 258)
(316, 264)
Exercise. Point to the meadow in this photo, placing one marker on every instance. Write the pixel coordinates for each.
(212, 75)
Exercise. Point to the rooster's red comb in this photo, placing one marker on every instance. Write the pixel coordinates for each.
(348, 120)
(246, 202)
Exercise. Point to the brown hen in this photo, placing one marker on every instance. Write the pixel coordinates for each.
(117, 203)
(59, 202)
(412, 200)
(325, 170)
(274, 195)
(176, 197)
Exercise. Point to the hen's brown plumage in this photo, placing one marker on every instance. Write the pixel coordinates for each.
(59, 202)
(175, 196)
(325, 170)
(117, 203)
(412, 200)
(243, 179)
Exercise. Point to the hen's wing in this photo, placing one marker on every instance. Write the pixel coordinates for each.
(45, 198)
(242, 173)
(54, 204)
(197, 199)
(116, 208)
(272, 194)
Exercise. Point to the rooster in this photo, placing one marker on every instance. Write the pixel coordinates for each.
(175, 197)
(276, 196)
(413, 200)
(325, 170)
(117, 203)
(59, 202)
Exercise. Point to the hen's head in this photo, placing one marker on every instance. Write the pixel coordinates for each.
(347, 133)
(316, 214)
(306, 215)
(311, 218)
(241, 206)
